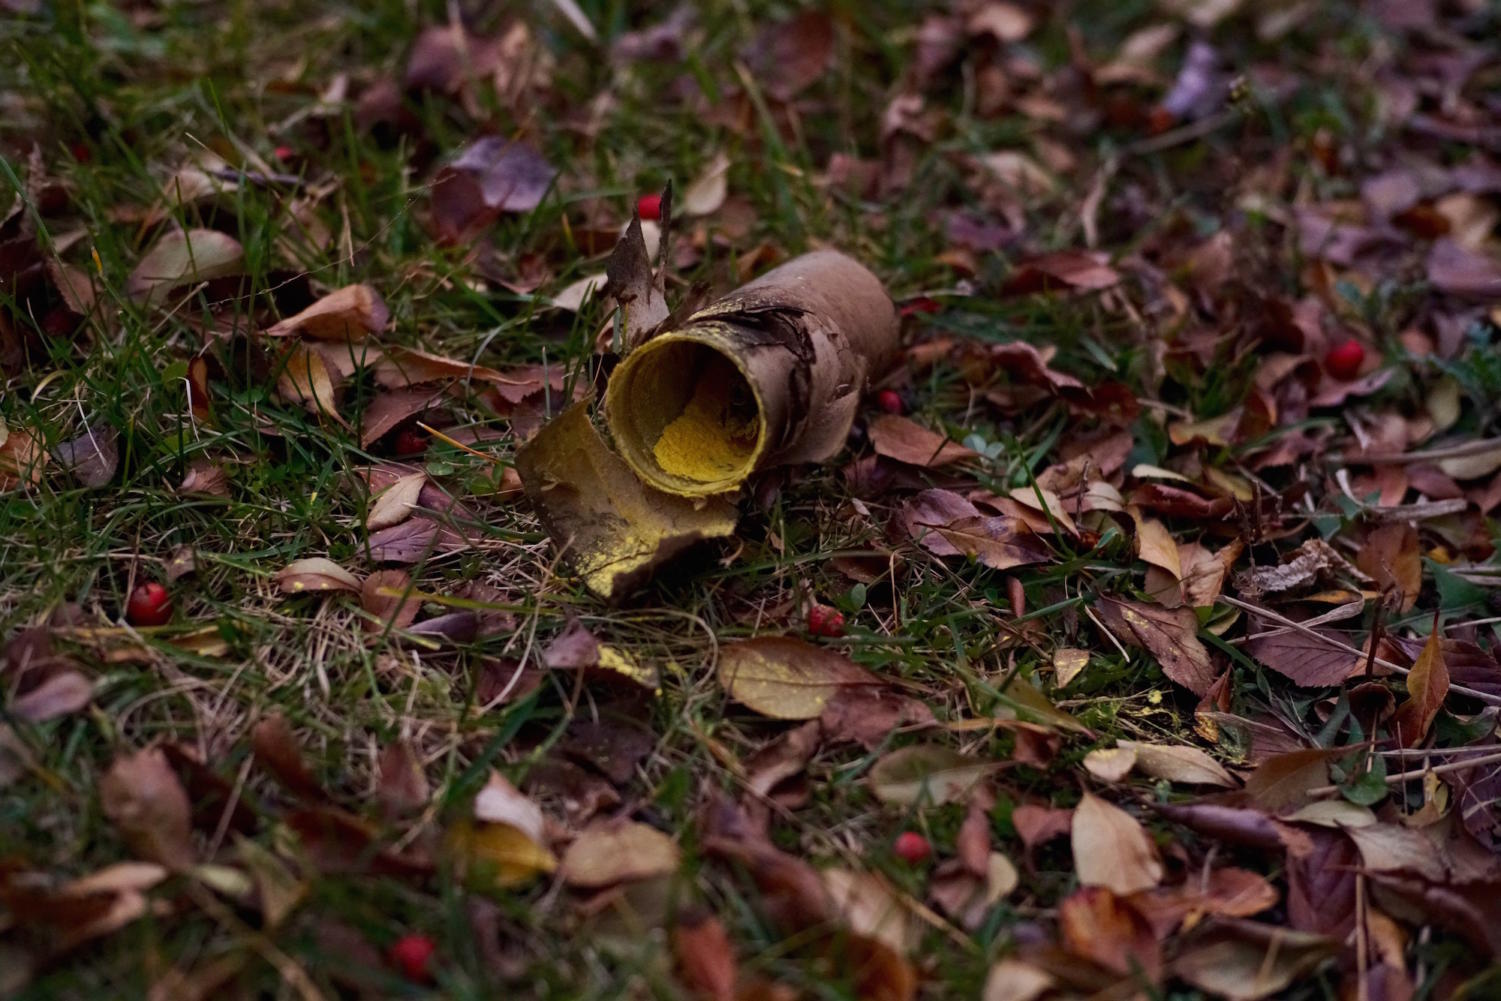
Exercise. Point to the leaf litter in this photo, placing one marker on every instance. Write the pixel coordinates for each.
(1161, 534)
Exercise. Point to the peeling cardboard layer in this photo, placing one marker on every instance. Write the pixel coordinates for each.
(768, 375)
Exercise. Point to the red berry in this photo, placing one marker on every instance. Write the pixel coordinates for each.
(284, 153)
(825, 621)
(649, 207)
(149, 605)
(1345, 359)
(409, 441)
(81, 152)
(890, 401)
(412, 955)
(911, 847)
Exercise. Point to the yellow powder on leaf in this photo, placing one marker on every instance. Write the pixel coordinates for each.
(714, 436)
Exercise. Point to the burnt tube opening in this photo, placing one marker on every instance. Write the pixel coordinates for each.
(685, 417)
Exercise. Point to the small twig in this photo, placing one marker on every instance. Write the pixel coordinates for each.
(1459, 451)
(1283, 620)
(1400, 777)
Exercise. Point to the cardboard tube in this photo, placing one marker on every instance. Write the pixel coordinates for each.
(768, 375)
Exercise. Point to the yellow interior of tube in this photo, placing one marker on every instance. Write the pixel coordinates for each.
(685, 417)
(714, 435)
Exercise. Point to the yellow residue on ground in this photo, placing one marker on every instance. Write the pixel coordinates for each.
(715, 435)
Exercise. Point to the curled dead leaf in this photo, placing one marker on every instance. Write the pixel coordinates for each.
(347, 314)
(1112, 849)
(316, 573)
(618, 852)
(184, 256)
(142, 796)
(929, 774)
(787, 678)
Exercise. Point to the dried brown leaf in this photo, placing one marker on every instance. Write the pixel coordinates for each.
(787, 678)
(1170, 634)
(142, 796)
(184, 256)
(618, 851)
(929, 774)
(387, 595)
(1427, 687)
(1097, 925)
(347, 314)
(1112, 849)
(490, 177)
(904, 440)
(316, 573)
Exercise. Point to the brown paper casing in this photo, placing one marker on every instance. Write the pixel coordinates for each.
(768, 375)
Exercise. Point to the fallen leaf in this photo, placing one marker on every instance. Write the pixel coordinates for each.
(181, 257)
(397, 367)
(787, 678)
(705, 959)
(615, 530)
(1097, 925)
(387, 596)
(1155, 546)
(303, 377)
(1005, 22)
(1427, 687)
(1305, 659)
(143, 798)
(60, 695)
(395, 503)
(1244, 961)
(1110, 764)
(1390, 556)
(868, 907)
(707, 192)
(1282, 782)
(1085, 270)
(92, 457)
(277, 890)
(22, 457)
(1068, 662)
(1015, 980)
(1170, 634)
(316, 573)
(1222, 892)
(347, 314)
(400, 783)
(1395, 848)
(503, 845)
(789, 56)
(928, 774)
(1112, 849)
(904, 440)
(205, 478)
(948, 525)
(490, 177)
(279, 752)
(1456, 269)
(573, 295)
(1178, 763)
(617, 852)
(388, 409)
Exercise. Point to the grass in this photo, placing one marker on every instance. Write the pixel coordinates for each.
(115, 99)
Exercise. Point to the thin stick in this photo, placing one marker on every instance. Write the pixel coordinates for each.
(1444, 769)
(1459, 451)
(1283, 620)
